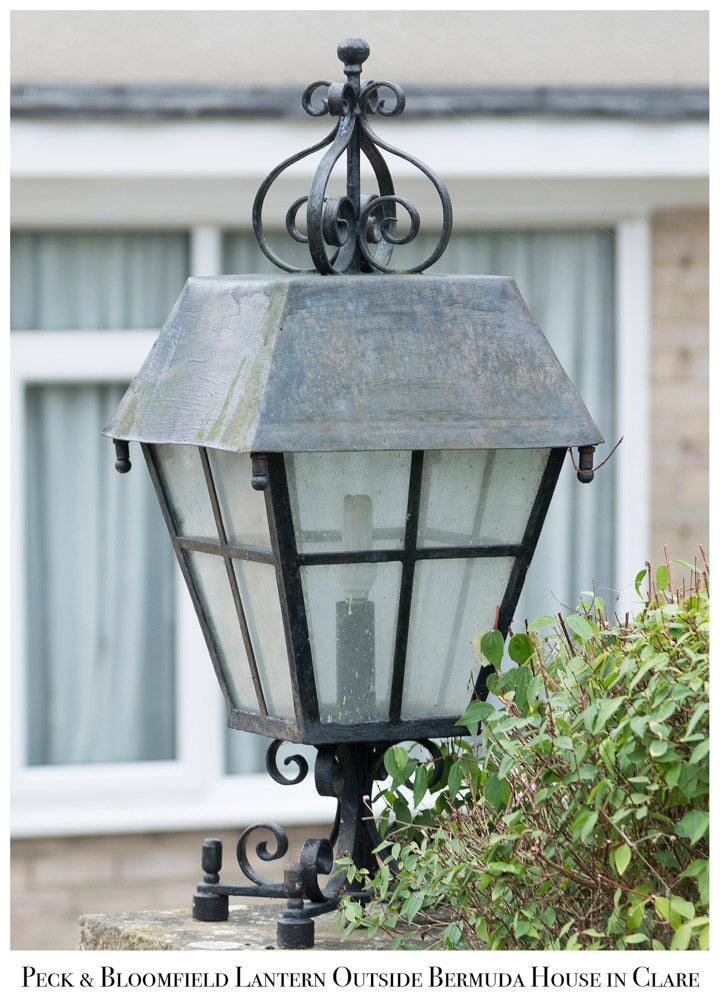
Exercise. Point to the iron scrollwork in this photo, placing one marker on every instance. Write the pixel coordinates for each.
(346, 772)
(340, 229)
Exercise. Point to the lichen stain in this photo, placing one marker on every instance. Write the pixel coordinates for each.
(235, 432)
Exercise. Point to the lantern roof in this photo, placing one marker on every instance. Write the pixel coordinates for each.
(352, 362)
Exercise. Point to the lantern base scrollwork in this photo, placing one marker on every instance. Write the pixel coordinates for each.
(346, 772)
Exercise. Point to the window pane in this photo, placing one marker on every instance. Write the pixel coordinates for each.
(478, 497)
(452, 600)
(352, 640)
(94, 281)
(258, 588)
(243, 509)
(100, 581)
(211, 581)
(349, 501)
(186, 492)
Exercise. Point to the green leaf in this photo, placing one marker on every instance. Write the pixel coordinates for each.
(474, 714)
(696, 716)
(621, 857)
(520, 648)
(522, 682)
(543, 621)
(454, 778)
(681, 938)
(581, 626)
(496, 791)
(638, 580)
(412, 906)
(635, 938)
(681, 907)
(662, 577)
(492, 646)
(606, 708)
(395, 760)
(700, 752)
(420, 785)
(672, 775)
(693, 825)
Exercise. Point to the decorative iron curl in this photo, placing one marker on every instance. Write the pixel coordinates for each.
(276, 774)
(369, 102)
(280, 850)
(348, 224)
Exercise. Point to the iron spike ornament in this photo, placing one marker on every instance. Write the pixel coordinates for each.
(354, 467)
(341, 229)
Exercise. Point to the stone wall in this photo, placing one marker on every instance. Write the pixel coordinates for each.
(679, 385)
(54, 880)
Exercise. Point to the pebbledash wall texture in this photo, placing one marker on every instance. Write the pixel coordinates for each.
(57, 878)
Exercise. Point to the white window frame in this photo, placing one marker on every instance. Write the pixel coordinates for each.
(200, 178)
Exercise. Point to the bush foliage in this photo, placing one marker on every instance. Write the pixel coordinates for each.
(580, 818)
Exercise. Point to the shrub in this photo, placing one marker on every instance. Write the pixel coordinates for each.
(580, 819)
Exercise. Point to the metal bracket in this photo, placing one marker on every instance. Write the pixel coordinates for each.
(343, 771)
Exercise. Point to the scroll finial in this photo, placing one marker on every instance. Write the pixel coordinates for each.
(341, 229)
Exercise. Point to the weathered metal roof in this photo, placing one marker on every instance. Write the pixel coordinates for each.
(352, 362)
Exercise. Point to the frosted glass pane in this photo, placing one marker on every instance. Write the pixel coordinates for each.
(376, 485)
(478, 497)
(211, 581)
(243, 508)
(186, 491)
(352, 640)
(259, 594)
(452, 600)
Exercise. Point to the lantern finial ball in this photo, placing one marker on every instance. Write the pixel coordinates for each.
(353, 52)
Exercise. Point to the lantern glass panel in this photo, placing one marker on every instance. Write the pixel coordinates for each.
(452, 600)
(349, 501)
(478, 497)
(352, 637)
(257, 584)
(186, 491)
(243, 508)
(211, 581)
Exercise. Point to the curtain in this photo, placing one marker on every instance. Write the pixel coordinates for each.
(86, 281)
(99, 565)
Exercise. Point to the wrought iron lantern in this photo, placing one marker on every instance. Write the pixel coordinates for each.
(354, 467)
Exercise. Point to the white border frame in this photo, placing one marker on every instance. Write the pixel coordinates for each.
(201, 177)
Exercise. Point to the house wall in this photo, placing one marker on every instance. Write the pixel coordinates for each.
(495, 48)
(54, 880)
(680, 385)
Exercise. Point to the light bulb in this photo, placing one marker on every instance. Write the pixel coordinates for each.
(357, 536)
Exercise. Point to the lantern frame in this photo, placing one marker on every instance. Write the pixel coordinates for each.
(287, 561)
(357, 358)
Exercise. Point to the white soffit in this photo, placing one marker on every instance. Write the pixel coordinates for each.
(510, 148)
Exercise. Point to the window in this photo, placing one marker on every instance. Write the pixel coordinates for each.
(100, 673)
